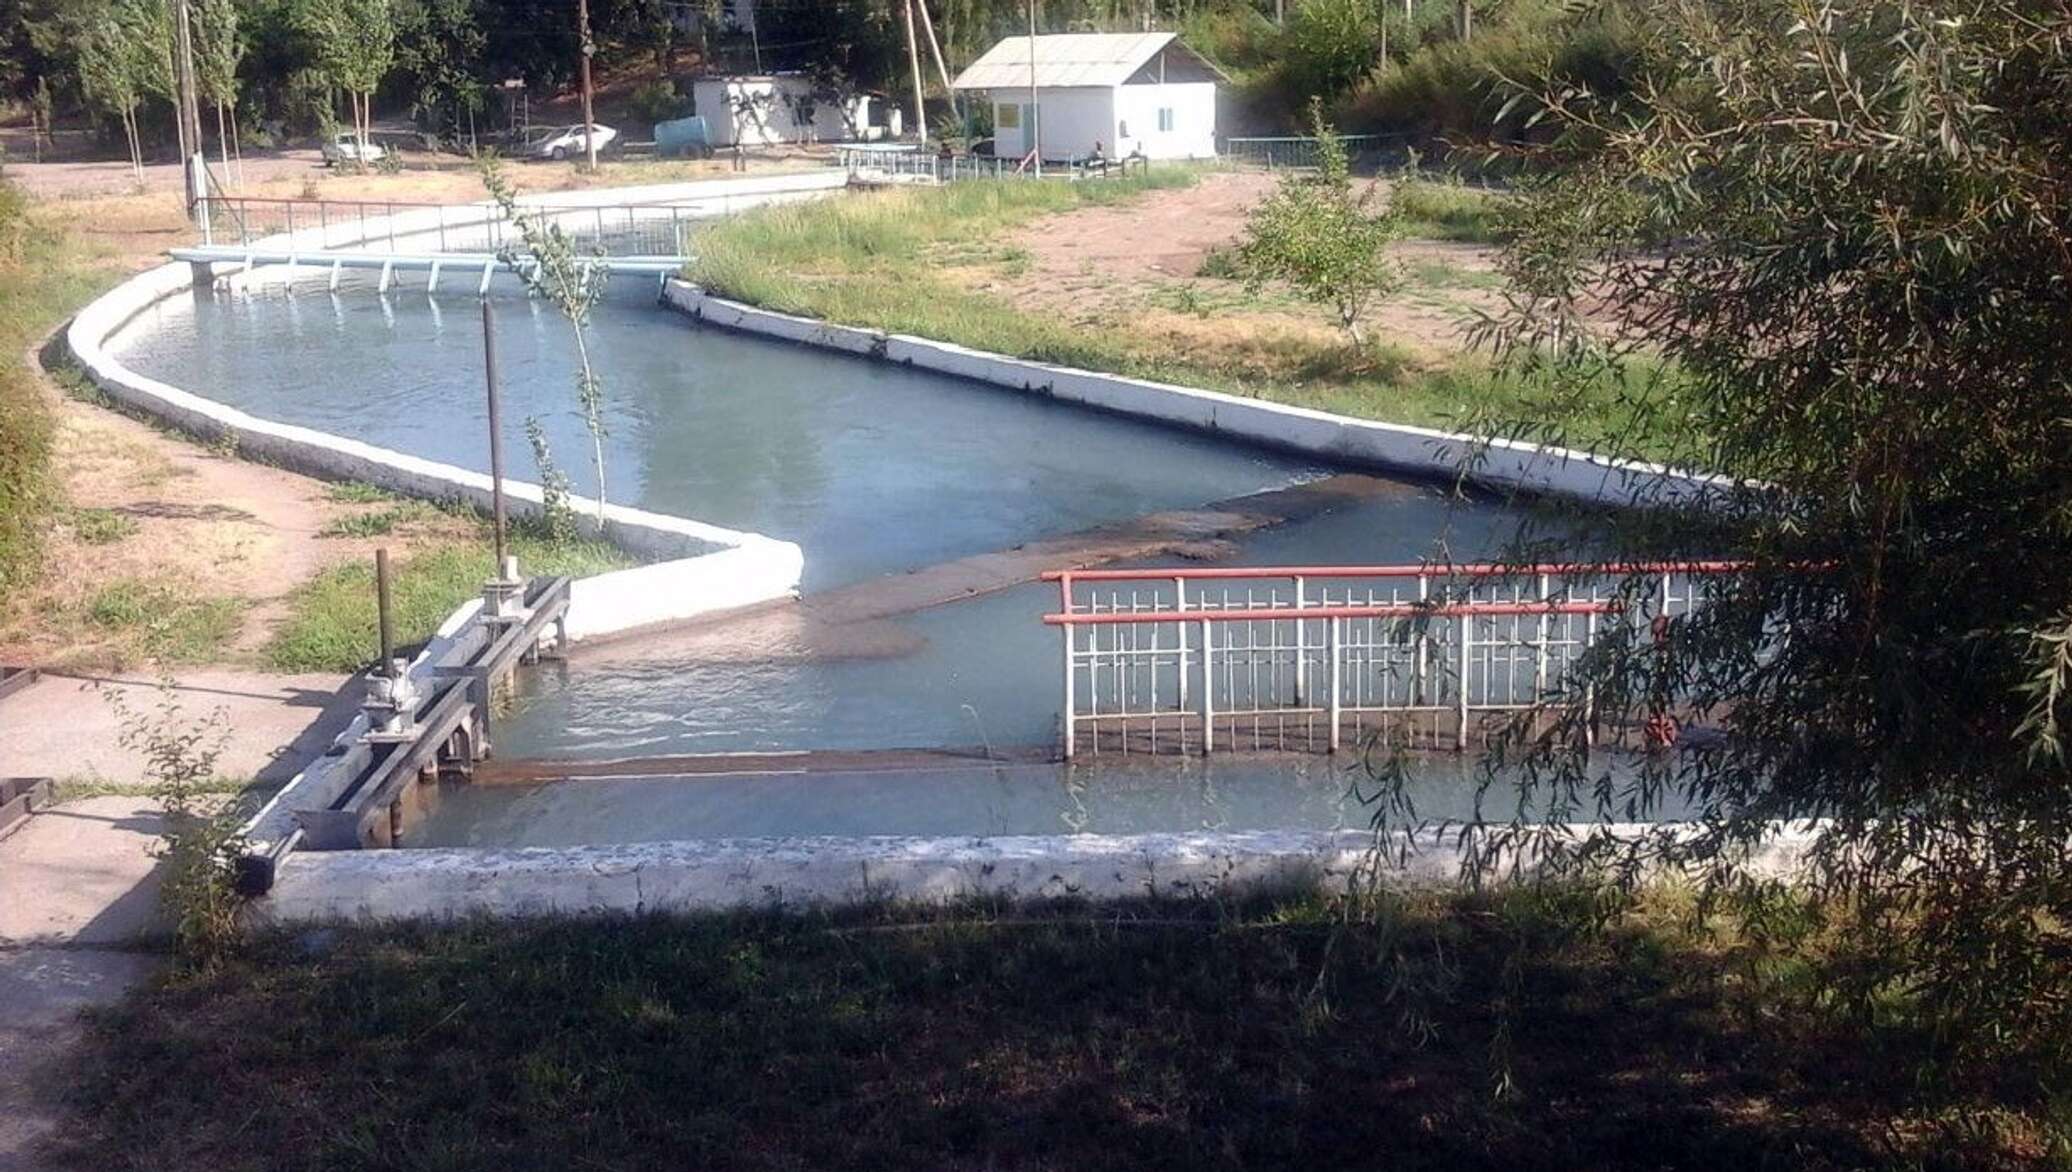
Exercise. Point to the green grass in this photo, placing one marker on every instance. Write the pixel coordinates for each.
(331, 621)
(874, 260)
(354, 492)
(1447, 209)
(102, 526)
(379, 523)
(1191, 1036)
(45, 274)
(161, 619)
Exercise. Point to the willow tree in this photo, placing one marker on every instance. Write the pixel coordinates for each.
(1826, 249)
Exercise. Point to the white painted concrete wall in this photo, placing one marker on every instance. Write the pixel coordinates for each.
(1072, 120)
(804, 872)
(1193, 133)
(1390, 447)
(764, 111)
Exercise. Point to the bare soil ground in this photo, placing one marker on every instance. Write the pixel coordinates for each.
(1142, 263)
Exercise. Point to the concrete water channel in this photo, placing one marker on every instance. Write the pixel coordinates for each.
(831, 677)
(875, 471)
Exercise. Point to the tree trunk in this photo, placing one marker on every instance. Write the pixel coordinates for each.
(237, 149)
(136, 148)
(223, 141)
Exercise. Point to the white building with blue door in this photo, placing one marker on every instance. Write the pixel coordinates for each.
(1130, 93)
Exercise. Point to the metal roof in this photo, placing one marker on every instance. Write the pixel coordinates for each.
(1063, 59)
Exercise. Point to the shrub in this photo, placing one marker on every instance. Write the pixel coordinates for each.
(657, 101)
(1329, 46)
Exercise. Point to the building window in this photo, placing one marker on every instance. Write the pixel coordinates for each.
(1165, 119)
(1007, 116)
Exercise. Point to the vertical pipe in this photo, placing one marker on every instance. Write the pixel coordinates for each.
(1334, 640)
(1208, 691)
(1301, 652)
(1539, 667)
(1180, 604)
(1065, 607)
(381, 613)
(496, 431)
(1460, 740)
(1590, 690)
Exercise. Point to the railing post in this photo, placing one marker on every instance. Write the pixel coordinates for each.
(1420, 693)
(1334, 640)
(1460, 740)
(1301, 652)
(1539, 666)
(1208, 690)
(1590, 689)
(1070, 717)
(1180, 605)
(1071, 729)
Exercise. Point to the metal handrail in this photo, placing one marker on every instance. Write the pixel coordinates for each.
(1165, 656)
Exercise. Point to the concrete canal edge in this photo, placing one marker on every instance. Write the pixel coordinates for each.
(1420, 452)
(719, 874)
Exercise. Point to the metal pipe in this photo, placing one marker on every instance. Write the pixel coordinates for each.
(381, 613)
(496, 433)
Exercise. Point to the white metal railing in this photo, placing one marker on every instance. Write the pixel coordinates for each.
(1186, 660)
(387, 226)
(882, 165)
(1299, 152)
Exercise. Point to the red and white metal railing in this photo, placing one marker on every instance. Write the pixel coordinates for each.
(1299, 656)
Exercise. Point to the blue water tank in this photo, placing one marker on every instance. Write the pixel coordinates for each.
(682, 137)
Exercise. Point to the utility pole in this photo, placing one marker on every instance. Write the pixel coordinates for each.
(935, 51)
(1035, 119)
(589, 120)
(187, 98)
(914, 62)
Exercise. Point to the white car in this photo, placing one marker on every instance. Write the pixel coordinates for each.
(346, 148)
(567, 142)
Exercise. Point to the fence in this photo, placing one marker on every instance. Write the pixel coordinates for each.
(868, 164)
(648, 230)
(1297, 152)
(1176, 661)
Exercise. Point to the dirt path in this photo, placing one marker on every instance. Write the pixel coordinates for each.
(1142, 263)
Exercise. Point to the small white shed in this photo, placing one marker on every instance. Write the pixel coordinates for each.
(1132, 93)
(772, 108)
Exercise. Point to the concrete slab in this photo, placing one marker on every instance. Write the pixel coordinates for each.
(81, 874)
(42, 991)
(64, 726)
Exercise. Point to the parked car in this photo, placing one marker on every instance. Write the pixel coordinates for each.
(346, 148)
(568, 142)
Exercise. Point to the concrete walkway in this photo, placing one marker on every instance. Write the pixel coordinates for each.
(79, 920)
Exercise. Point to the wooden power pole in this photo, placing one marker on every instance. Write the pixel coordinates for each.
(589, 119)
(914, 62)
